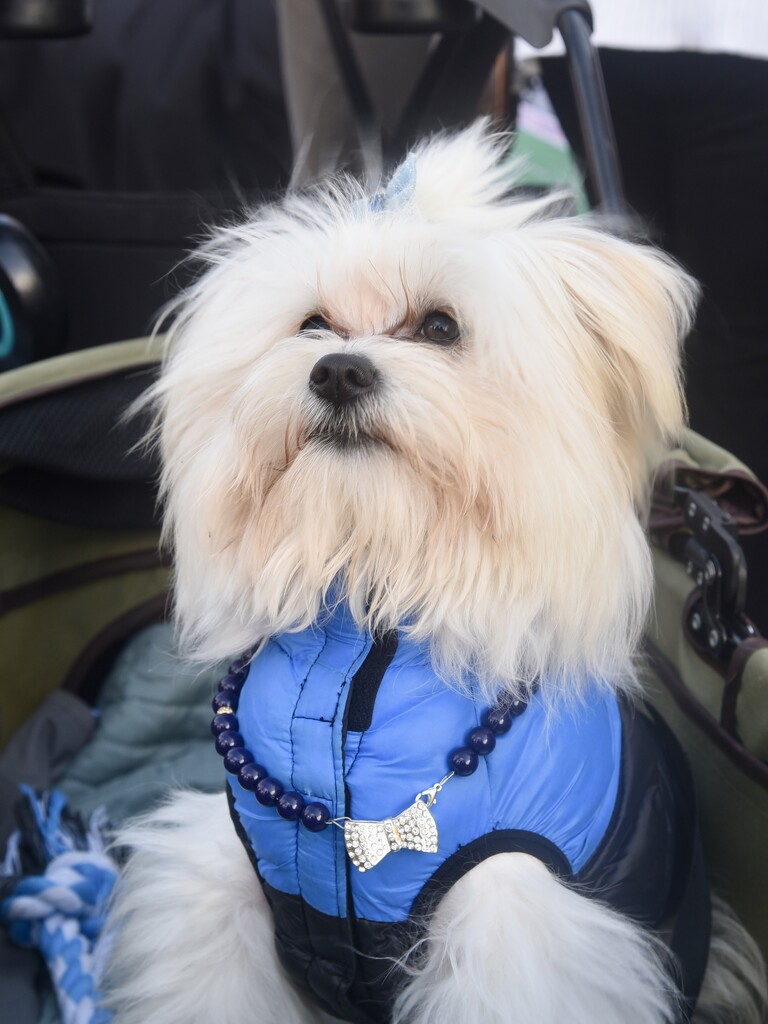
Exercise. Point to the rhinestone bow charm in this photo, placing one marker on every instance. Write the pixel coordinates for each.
(369, 842)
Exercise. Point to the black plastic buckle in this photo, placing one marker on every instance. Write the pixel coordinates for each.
(714, 559)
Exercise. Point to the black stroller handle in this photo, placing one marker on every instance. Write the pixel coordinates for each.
(45, 19)
(533, 20)
(594, 114)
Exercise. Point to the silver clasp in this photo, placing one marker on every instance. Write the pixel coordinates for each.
(430, 795)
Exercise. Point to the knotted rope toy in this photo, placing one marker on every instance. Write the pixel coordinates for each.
(61, 879)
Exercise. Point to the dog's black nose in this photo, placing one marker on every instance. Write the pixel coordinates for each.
(340, 377)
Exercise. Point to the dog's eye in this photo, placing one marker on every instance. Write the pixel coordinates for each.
(315, 323)
(440, 328)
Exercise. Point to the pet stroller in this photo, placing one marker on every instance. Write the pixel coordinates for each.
(82, 575)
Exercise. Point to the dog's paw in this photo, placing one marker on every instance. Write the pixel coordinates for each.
(192, 933)
(510, 942)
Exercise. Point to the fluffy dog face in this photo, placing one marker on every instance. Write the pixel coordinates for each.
(437, 411)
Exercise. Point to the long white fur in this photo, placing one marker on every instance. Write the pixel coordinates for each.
(511, 926)
(735, 987)
(191, 932)
(496, 516)
(192, 943)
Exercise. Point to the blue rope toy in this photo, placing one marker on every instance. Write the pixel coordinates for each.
(58, 904)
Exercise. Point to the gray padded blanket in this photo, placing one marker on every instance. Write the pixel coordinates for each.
(153, 732)
(153, 735)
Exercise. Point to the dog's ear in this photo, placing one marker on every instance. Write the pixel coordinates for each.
(632, 307)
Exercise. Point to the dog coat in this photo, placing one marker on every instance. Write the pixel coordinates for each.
(593, 789)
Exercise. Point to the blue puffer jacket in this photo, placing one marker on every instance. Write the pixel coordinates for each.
(362, 728)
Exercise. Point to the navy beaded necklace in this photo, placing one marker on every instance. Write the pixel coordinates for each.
(270, 792)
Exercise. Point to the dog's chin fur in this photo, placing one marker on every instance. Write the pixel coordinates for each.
(485, 496)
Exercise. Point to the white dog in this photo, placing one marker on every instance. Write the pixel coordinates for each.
(404, 441)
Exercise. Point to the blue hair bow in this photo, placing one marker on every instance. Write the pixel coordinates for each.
(399, 191)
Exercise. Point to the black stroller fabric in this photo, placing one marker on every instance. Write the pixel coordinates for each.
(165, 118)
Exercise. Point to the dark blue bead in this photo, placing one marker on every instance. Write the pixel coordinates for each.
(223, 722)
(268, 791)
(482, 740)
(500, 718)
(251, 774)
(239, 666)
(227, 699)
(463, 761)
(315, 817)
(231, 684)
(290, 806)
(235, 758)
(227, 741)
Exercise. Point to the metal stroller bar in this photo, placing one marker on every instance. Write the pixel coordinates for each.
(594, 115)
(535, 21)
